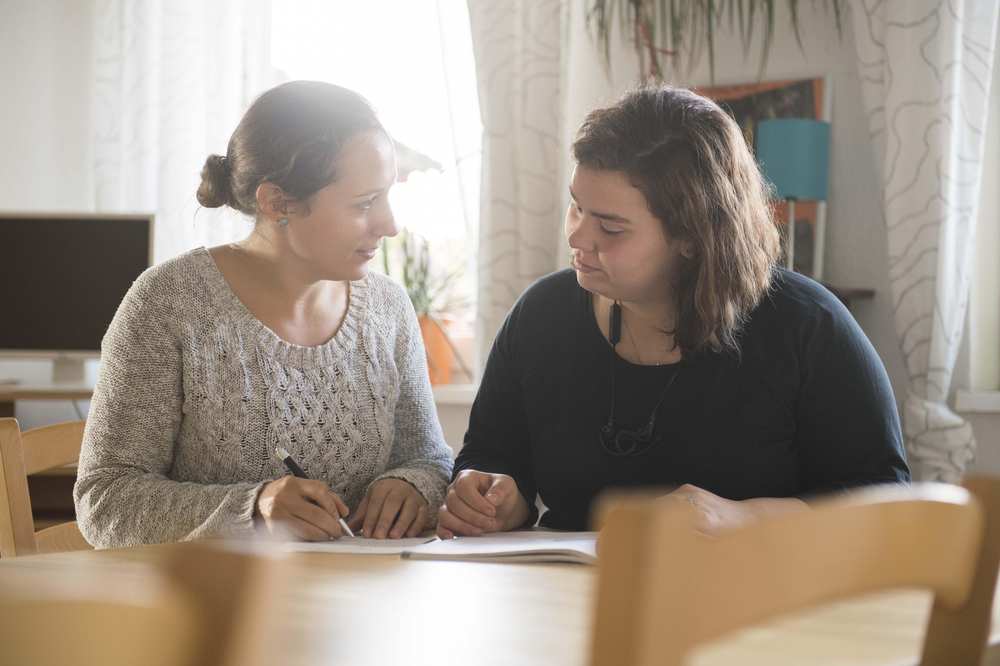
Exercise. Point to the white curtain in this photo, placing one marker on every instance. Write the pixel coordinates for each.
(173, 78)
(925, 68)
(518, 51)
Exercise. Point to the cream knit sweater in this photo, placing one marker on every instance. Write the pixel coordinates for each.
(195, 393)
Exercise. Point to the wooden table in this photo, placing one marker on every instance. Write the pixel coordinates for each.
(346, 609)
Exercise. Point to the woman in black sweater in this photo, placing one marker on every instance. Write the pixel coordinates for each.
(675, 353)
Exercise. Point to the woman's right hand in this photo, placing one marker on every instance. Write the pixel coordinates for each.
(305, 507)
(480, 502)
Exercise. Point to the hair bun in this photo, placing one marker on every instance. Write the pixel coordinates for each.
(215, 190)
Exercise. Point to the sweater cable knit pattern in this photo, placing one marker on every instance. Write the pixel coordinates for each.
(195, 394)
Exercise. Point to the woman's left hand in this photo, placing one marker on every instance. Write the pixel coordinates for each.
(392, 508)
(714, 514)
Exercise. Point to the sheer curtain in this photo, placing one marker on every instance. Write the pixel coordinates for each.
(172, 79)
(518, 50)
(926, 69)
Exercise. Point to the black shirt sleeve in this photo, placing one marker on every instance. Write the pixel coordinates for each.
(848, 431)
(497, 440)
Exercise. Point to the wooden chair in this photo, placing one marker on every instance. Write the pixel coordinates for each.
(970, 624)
(664, 589)
(23, 454)
(204, 605)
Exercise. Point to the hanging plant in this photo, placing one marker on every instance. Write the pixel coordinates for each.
(681, 30)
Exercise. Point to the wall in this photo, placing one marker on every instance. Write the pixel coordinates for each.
(453, 406)
(45, 64)
(45, 67)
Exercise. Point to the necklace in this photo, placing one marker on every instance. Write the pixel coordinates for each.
(624, 442)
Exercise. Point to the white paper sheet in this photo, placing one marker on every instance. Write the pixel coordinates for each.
(524, 546)
(358, 545)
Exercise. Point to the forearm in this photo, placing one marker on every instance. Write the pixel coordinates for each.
(117, 508)
(430, 481)
(420, 456)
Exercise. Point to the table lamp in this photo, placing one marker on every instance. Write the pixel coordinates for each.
(794, 154)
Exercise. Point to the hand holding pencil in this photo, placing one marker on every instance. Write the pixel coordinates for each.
(307, 508)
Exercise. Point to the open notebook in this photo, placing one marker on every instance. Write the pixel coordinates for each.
(525, 546)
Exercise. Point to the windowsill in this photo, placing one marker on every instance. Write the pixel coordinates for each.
(455, 394)
(977, 401)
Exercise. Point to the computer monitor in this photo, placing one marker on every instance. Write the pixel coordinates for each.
(62, 277)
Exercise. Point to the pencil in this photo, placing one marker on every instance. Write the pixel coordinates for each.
(293, 467)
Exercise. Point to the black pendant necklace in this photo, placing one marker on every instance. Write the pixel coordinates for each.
(624, 442)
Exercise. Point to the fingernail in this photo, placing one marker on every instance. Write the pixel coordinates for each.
(493, 499)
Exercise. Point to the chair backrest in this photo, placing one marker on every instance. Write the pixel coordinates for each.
(664, 589)
(960, 635)
(23, 454)
(205, 605)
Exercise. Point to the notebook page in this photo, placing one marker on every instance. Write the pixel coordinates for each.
(357, 545)
(533, 546)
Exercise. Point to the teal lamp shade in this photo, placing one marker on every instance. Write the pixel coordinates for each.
(794, 154)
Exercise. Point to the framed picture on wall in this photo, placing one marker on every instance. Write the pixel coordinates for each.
(750, 103)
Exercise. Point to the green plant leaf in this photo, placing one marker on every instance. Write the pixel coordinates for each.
(428, 292)
(838, 17)
(710, 33)
(768, 36)
(743, 23)
(793, 6)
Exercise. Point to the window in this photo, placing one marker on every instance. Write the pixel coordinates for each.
(980, 392)
(414, 62)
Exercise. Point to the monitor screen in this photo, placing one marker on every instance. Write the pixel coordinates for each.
(62, 277)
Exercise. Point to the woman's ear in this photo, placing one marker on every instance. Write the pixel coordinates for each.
(271, 201)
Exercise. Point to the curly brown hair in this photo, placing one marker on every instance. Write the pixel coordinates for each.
(690, 160)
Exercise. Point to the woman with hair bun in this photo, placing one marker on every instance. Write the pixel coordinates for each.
(221, 356)
(675, 354)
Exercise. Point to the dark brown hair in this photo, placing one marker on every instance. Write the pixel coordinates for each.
(690, 161)
(290, 136)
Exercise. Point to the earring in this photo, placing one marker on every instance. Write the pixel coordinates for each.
(282, 222)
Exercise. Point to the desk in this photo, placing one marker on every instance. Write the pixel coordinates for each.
(11, 393)
(381, 610)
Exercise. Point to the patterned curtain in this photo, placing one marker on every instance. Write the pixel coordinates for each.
(518, 51)
(925, 68)
(173, 78)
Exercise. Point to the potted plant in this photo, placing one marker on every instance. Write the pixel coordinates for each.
(683, 30)
(431, 297)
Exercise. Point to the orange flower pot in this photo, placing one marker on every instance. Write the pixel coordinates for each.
(439, 354)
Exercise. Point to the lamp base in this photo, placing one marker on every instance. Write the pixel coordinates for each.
(790, 244)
